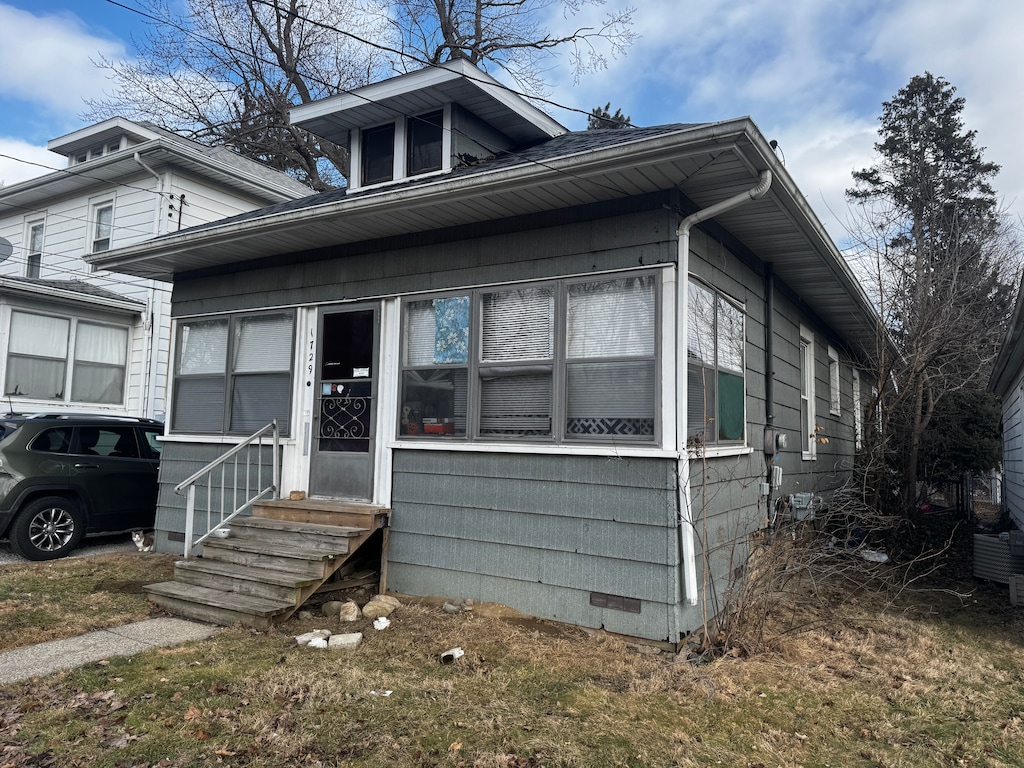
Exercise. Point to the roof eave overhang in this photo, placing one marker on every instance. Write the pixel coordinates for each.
(458, 80)
(115, 167)
(71, 297)
(444, 190)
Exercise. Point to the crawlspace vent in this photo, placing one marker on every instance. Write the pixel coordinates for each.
(615, 602)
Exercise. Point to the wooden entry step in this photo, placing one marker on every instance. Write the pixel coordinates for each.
(272, 562)
(323, 512)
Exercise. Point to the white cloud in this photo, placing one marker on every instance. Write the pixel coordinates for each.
(47, 60)
(32, 161)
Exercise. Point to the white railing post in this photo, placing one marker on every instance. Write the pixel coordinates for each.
(277, 462)
(190, 513)
(250, 495)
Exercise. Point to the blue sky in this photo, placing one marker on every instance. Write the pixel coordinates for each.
(811, 73)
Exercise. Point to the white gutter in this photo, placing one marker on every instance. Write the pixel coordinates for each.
(682, 335)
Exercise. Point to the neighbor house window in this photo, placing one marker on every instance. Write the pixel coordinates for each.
(560, 362)
(425, 133)
(34, 256)
(233, 374)
(102, 226)
(808, 418)
(834, 385)
(39, 364)
(716, 399)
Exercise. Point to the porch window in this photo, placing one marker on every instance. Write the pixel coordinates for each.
(559, 362)
(716, 400)
(38, 359)
(233, 374)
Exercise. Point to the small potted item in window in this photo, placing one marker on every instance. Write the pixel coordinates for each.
(410, 421)
(439, 426)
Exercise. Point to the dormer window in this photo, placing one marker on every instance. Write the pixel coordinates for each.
(405, 148)
(378, 154)
(426, 134)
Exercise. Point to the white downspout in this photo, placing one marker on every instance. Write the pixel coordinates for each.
(150, 324)
(682, 335)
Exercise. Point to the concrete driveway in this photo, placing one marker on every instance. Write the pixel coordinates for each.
(91, 546)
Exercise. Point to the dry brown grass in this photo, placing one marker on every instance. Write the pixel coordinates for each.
(930, 682)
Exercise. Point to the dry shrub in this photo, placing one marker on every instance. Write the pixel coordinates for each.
(800, 576)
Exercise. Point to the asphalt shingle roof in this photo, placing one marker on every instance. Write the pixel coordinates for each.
(571, 143)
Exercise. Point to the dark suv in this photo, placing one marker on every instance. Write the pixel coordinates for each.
(65, 475)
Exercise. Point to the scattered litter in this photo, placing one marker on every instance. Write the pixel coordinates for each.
(874, 556)
(452, 608)
(382, 622)
(452, 655)
(318, 642)
(316, 634)
(381, 693)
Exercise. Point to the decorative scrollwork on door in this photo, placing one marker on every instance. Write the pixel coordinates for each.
(345, 417)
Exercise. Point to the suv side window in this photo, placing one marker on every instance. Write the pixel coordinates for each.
(56, 440)
(114, 442)
(150, 436)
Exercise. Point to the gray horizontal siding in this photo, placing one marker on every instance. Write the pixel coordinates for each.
(539, 533)
(579, 247)
(178, 462)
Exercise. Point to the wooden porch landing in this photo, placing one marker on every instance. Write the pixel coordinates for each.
(270, 563)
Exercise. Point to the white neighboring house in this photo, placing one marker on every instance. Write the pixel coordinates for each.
(80, 338)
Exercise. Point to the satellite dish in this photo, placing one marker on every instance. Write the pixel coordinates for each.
(6, 249)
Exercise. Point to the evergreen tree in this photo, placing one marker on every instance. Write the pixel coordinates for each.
(945, 290)
(601, 117)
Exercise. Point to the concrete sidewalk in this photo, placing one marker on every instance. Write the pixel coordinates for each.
(58, 655)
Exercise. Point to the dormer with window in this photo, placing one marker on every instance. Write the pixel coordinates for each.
(425, 123)
(100, 140)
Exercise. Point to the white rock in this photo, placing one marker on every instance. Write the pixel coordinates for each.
(319, 642)
(316, 634)
(346, 642)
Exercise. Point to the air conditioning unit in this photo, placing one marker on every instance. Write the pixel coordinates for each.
(993, 560)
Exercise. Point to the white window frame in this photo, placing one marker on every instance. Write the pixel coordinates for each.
(400, 154)
(835, 400)
(229, 374)
(808, 417)
(34, 251)
(70, 358)
(95, 207)
(717, 368)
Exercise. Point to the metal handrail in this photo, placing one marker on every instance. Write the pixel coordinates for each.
(225, 490)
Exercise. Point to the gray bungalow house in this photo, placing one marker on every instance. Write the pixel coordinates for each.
(574, 370)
